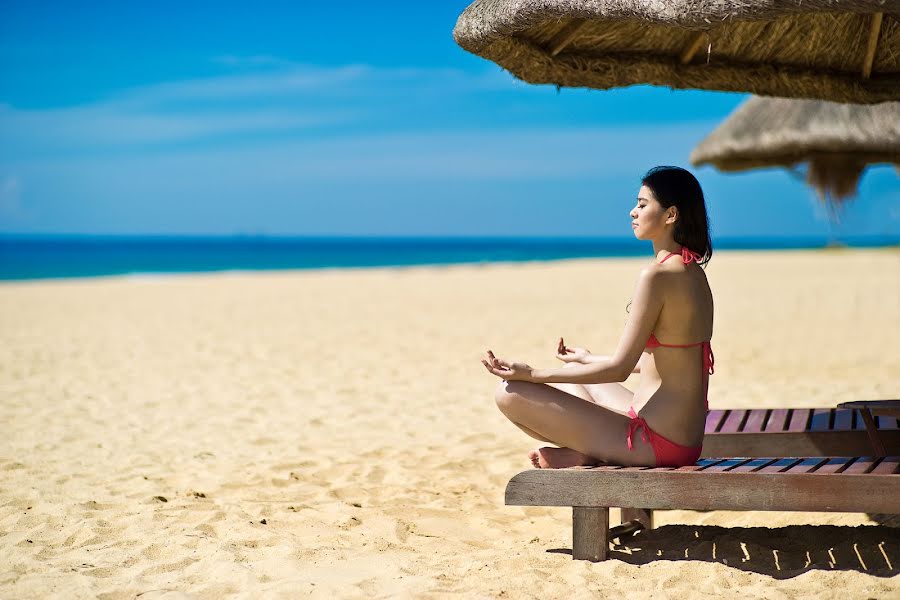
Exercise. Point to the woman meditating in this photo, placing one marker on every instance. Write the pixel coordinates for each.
(582, 407)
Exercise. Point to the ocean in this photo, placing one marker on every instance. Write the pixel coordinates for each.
(50, 257)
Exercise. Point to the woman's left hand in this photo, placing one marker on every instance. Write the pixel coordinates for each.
(506, 370)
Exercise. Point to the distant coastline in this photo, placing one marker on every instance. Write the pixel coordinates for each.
(24, 257)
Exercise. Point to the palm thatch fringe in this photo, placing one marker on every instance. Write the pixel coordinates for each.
(841, 50)
(836, 141)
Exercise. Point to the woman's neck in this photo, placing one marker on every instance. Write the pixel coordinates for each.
(663, 248)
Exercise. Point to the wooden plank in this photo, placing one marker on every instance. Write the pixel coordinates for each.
(886, 423)
(726, 465)
(753, 465)
(734, 421)
(799, 419)
(821, 420)
(843, 419)
(714, 419)
(872, 431)
(703, 490)
(834, 465)
(807, 465)
(888, 466)
(777, 420)
(701, 464)
(756, 420)
(785, 444)
(861, 465)
(590, 527)
(780, 465)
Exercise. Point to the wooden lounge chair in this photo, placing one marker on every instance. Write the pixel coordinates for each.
(866, 484)
(788, 432)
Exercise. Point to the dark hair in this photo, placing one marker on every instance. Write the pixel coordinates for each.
(674, 186)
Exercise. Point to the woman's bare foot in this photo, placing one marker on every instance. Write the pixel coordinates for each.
(559, 458)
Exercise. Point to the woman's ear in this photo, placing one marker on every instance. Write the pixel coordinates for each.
(671, 215)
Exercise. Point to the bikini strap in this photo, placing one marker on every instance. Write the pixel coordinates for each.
(687, 256)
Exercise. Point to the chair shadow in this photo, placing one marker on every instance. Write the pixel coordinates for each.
(781, 552)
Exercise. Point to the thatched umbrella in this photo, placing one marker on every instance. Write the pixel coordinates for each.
(840, 50)
(837, 141)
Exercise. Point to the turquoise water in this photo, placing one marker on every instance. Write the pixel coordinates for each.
(32, 257)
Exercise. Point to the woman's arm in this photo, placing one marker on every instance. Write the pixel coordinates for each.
(596, 358)
(645, 308)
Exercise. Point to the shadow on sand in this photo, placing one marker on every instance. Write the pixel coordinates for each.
(781, 552)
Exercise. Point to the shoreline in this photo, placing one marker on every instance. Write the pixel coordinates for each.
(155, 275)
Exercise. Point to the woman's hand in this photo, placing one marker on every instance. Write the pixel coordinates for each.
(506, 370)
(569, 355)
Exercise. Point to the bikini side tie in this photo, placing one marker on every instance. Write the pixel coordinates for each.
(635, 424)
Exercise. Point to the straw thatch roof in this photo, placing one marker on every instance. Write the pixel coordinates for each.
(840, 50)
(837, 141)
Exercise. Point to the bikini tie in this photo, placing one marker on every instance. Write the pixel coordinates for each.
(688, 256)
(635, 424)
(709, 360)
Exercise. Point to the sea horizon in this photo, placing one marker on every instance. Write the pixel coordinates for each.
(63, 256)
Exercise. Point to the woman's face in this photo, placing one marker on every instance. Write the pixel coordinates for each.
(648, 217)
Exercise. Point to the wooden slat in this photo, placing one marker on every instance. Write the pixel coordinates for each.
(734, 421)
(777, 420)
(756, 420)
(886, 422)
(874, 31)
(726, 465)
(565, 36)
(799, 419)
(806, 443)
(861, 465)
(691, 49)
(807, 465)
(705, 490)
(888, 466)
(701, 464)
(781, 465)
(859, 423)
(834, 465)
(843, 419)
(753, 465)
(714, 419)
(821, 420)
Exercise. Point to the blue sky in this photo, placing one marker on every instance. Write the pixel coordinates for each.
(366, 119)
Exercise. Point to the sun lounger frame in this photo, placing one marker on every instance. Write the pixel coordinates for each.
(786, 432)
(853, 484)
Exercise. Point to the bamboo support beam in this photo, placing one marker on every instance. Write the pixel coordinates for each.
(565, 36)
(874, 31)
(688, 53)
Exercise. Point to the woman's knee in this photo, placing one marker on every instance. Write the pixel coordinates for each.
(507, 394)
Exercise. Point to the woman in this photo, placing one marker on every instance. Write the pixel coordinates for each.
(582, 407)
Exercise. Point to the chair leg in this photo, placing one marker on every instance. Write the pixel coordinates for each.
(644, 516)
(590, 533)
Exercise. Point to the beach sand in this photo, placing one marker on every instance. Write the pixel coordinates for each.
(332, 433)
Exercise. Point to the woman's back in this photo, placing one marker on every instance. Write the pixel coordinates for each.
(671, 394)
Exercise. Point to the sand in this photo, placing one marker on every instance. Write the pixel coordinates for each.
(333, 434)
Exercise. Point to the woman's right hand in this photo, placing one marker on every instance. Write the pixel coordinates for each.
(571, 355)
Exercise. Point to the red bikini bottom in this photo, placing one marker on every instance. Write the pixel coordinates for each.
(667, 452)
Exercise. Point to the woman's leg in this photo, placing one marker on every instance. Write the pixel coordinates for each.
(572, 422)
